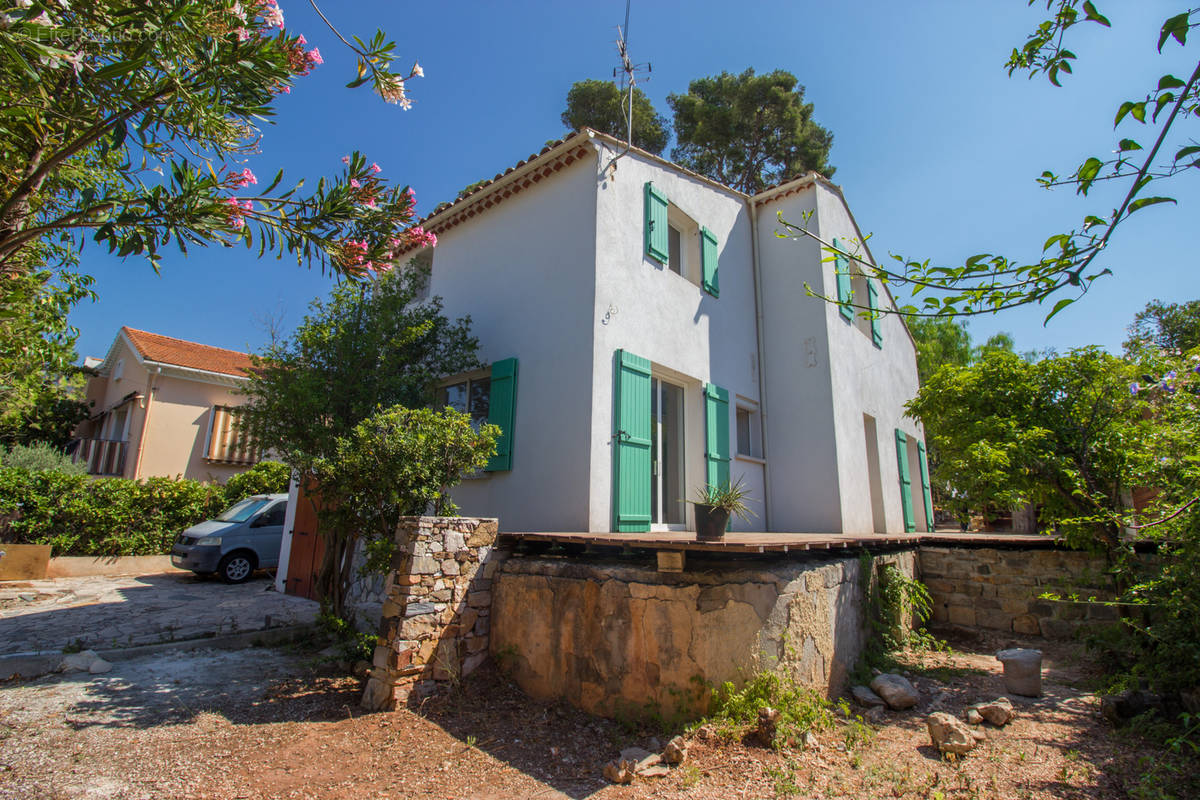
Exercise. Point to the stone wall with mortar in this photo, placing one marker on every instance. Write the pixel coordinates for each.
(619, 639)
(998, 588)
(436, 614)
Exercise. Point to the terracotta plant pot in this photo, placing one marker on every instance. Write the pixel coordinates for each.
(711, 521)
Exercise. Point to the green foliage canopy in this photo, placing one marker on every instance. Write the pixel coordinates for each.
(748, 131)
(601, 105)
(1165, 326)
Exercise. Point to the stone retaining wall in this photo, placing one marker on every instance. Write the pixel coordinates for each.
(436, 615)
(998, 589)
(625, 640)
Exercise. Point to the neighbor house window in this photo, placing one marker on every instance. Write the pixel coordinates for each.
(229, 442)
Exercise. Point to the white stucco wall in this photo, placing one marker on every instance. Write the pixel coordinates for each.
(523, 270)
(799, 422)
(689, 336)
(868, 380)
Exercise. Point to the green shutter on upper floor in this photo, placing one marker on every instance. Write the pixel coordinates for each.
(841, 271)
(657, 235)
(709, 256)
(906, 501)
(716, 435)
(502, 410)
(873, 303)
(631, 442)
(925, 486)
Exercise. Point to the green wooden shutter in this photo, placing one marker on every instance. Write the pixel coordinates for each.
(631, 442)
(716, 439)
(841, 270)
(910, 523)
(708, 262)
(657, 239)
(502, 409)
(873, 302)
(925, 487)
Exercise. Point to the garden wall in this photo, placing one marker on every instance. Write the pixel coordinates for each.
(619, 639)
(998, 588)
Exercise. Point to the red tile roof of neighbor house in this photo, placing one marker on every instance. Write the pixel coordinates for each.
(182, 353)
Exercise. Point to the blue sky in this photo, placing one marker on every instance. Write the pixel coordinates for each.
(936, 148)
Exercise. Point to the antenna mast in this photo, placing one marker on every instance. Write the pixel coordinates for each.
(628, 72)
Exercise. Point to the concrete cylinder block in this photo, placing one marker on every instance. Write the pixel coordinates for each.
(1022, 671)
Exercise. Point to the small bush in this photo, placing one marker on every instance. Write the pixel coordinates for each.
(39, 456)
(265, 477)
(800, 709)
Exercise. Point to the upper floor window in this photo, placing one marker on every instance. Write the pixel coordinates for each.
(470, 394)
(229, 442)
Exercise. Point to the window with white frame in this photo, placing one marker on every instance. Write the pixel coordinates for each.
(683, 244)
(749, 433)
(229, 442)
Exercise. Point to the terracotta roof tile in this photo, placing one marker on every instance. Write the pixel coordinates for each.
(182, 353)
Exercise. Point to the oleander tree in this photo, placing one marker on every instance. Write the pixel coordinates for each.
(130, 124)
(1155, 144)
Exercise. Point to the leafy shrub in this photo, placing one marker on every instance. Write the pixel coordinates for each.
(265, 477)
(82, 516)
(800, 709)
(40, 455)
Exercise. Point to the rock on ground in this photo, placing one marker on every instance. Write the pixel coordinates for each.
(865, 697)
(998, 712)
(949, 734)
(896, 691)
(676, 751)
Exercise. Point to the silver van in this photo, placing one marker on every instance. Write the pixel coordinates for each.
(242, 538)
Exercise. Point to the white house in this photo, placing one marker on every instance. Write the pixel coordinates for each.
(648, 333)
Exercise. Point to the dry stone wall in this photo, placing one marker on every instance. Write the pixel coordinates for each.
(436, 616)
(625, 640)
(999, 589)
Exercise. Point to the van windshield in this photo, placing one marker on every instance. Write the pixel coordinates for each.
(242, 510)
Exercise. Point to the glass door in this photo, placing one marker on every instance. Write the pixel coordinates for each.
(666, 454)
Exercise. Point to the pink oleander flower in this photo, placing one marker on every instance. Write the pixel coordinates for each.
(237, 223)
(383, 267)
(301, 40)
(345, 159)
(375, 168)
(354, 182)
(272, 14)
(417, 72)
(313, 57)
(370, 203)
(243, 178)
(412, 195)
(242, 34)
(422, 237)
(248, 205)
(391, 89)
(285, 89)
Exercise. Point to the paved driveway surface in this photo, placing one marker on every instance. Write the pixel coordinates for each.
(126, 611)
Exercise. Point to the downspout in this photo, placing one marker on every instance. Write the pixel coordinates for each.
(762, 383)
(150, 389)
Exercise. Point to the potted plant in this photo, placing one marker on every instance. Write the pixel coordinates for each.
(715, 504)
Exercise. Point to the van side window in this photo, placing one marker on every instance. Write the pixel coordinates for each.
(274, 516)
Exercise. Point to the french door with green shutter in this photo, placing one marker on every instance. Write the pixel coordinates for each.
(648, 449)
(666, 470)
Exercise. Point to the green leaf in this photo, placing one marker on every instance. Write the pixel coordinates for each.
(1125, 108)
(1187, 151)
(1128, 144)
(1177, 27)
(1163, 99)
(1169, 82)
(1092, 15)
(1142, 202)
(1139, 111)
(1059, 306)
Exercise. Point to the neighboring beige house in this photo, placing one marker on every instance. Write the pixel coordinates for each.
(165, 407)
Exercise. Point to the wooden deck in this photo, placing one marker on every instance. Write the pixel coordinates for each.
(776, 542)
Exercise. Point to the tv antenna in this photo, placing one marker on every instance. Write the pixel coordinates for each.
(628, 74)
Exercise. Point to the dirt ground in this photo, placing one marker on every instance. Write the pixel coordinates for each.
(265, 723)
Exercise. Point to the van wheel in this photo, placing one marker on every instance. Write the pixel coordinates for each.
(237, 567)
